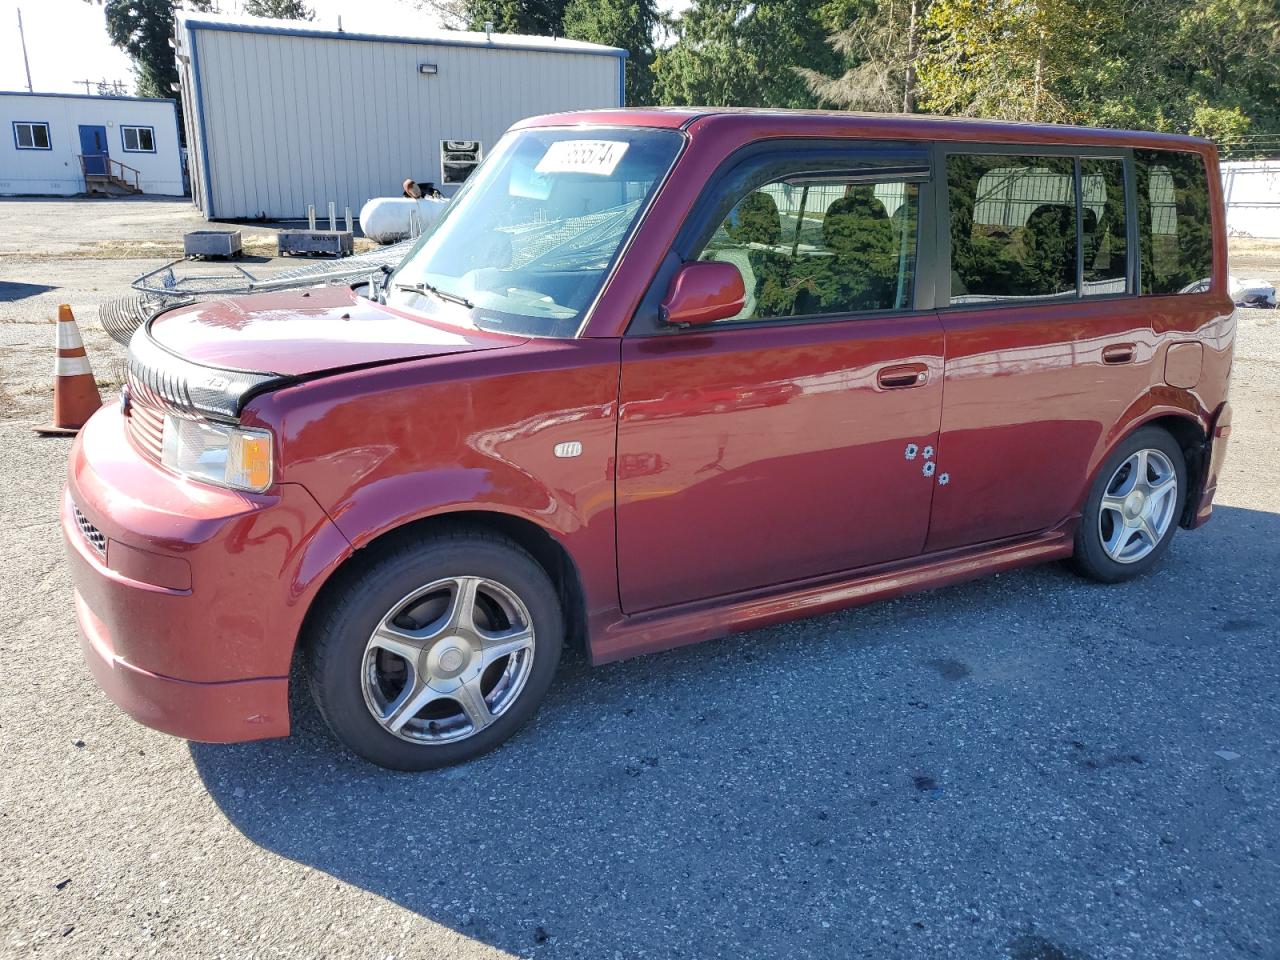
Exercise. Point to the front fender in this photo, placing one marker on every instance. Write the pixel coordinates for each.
(526, 433)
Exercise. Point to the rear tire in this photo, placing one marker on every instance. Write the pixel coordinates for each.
(435, 651)
(1133, 508)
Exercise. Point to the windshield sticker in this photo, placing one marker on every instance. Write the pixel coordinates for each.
(599, 157)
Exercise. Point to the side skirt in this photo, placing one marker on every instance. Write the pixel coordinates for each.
(689, 623)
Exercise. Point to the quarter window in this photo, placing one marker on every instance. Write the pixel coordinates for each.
(1103, 227)
(31, 136)
(822, 247)
(1173, 222)
(138, 139)
(1013, 227)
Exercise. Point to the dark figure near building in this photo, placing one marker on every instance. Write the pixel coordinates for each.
(416, 191)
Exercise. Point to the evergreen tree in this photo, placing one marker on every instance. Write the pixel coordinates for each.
(279, 9)
(629, 24)
(143, 29)
(744, 52)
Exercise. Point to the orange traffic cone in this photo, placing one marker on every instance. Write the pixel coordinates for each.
(75, 392)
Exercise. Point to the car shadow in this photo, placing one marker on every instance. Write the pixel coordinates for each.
(13, 292)
(839, 786)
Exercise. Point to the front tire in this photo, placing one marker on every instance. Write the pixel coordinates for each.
(1133, 509)
(434, 651)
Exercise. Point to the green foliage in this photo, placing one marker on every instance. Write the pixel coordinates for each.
(1013, 59)
(628, 24)
(279, 9)
(142, 29)
(874, 43)
(539, 18)
(743, 53)
(1209, 67)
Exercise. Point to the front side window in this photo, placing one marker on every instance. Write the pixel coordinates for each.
(526, 245)
(1013, 227)
(811, 248)
(31, 136)
(1174, 227)
(138, 139)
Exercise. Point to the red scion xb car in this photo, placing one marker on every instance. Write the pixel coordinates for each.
(655, 376)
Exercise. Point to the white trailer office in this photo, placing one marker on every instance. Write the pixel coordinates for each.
(281, 114)
(62, 144)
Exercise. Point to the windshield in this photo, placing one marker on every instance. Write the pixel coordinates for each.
(526, 245)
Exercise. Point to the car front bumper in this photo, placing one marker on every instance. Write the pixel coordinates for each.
(189, 597)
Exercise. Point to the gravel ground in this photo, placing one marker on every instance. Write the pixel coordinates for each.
(1029, 766)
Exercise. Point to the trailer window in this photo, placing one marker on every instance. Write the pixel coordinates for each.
(31, 136)
(1013, 227)
(138, 139)
(1174, 225)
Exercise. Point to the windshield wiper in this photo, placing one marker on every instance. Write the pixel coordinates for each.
(424, 288)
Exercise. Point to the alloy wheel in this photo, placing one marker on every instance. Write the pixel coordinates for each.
(447, 660)
(1138, 505)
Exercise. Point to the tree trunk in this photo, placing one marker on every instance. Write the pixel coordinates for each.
(909, 78)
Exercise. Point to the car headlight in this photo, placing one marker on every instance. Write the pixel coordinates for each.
(229, 456)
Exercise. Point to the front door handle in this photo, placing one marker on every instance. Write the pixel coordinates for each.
(902, 376)
(1118, 353)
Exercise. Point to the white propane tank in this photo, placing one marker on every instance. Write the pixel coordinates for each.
(390, 219)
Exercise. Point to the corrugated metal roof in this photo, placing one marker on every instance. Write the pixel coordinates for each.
(86, 96)
(354, 28)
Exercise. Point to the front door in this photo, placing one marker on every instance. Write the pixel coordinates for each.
(93, 147)
(796, 439)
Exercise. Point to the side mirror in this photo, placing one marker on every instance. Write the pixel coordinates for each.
(702, 293)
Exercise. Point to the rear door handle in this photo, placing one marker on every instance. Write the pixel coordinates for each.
(902, 376)
(1118, 353)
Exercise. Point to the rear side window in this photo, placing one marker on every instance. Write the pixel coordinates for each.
(1013, 227)
(812, 248)
(1176, 240)
(1103, 227)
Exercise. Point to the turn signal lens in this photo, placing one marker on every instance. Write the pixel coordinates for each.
(249, 460)
(229, 456)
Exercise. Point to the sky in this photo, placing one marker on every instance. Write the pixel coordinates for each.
(67, 39)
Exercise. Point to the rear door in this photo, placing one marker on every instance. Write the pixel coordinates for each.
(796, 439)
(1046, 346)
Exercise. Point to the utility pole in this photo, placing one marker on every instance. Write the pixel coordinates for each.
(23, 36)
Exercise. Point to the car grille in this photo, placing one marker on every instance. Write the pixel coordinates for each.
(146, 426)
(92, 534)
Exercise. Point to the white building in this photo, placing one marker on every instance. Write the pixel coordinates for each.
(70, 143)
(281, 114)
(1251, 189)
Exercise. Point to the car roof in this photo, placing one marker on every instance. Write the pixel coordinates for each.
(768, 123)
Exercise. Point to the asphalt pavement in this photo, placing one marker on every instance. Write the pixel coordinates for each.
(1029, 766)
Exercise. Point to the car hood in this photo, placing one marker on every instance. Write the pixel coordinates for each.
(296, 333)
